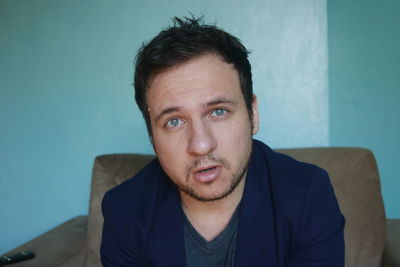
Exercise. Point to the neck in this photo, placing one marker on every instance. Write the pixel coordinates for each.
(210, 218)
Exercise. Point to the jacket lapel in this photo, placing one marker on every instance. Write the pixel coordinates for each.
(256, 244)
(167, 241)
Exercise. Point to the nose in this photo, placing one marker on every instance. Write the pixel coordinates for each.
(201, 139)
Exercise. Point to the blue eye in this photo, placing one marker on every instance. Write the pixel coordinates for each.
(219, 112)
(172, 123)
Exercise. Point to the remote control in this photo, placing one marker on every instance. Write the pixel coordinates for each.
(17, 257)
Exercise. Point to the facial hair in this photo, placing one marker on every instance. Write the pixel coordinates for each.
(236, 178)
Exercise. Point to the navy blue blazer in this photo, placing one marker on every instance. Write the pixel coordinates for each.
(289, 216)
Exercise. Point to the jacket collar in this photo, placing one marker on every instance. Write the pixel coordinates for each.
(167, 241)
(256, 230)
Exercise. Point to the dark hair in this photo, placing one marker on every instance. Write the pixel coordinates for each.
(186, 39)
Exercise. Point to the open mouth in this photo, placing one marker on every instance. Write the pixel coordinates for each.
(208, 169)
(207, 175)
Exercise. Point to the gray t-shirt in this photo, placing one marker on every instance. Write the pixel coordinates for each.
(219, 252)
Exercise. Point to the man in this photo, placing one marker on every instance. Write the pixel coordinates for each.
(213, 196)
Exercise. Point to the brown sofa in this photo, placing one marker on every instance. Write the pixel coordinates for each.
(371, 239)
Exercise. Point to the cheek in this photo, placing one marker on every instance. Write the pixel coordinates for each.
(170, 154)
(239, 130)
(168, 145)
(234, 139)
(241, 135)
(164, 151)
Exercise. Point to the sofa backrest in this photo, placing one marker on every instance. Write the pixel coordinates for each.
(353, 173)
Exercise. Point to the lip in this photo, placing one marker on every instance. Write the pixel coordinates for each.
(207, 174)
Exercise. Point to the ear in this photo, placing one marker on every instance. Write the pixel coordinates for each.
(255, 119)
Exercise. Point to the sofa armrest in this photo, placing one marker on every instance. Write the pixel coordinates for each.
(391, 254)
(63, 245)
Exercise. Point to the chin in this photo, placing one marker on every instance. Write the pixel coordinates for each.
(211, 196)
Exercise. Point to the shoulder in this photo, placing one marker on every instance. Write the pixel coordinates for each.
(287, 173)
(293, 181)
(308, 217)
(135, 199)
(128, 211)
(134, 187)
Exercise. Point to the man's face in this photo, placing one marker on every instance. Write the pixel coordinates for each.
(200, 125)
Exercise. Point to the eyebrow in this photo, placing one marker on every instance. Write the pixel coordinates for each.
(166, 111)
(222, 100)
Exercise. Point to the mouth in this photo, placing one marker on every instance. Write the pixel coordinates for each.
(207, 169)
(207, 174)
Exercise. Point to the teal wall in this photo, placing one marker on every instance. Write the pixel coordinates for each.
(364, 84)
(66, 94)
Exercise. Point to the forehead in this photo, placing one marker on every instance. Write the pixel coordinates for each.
(196, 80)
